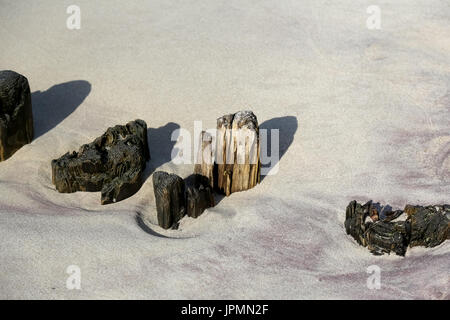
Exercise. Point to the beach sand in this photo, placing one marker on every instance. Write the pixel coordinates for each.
(363, 114)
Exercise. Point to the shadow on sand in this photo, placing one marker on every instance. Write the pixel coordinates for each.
(287, 127)
(140, 222)
(52, 106)
(160, 145)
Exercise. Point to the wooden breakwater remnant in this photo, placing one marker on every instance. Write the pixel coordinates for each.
(229, 163)
(16, 116)
(169, 196)
(234, 165)
(114, 164)
(377, 228)
(176, 197)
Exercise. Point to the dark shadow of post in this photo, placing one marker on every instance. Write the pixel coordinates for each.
(287, 127)
(141, 223)
(160, 145)
(52, 106)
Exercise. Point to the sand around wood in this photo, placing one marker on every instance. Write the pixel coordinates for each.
(363, 114)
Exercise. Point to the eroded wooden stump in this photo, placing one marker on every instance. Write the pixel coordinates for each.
(176, 197)
(199, 195)
(113, 164)
(233, 165)
(16, 116)
(384, 237)
(170, 198)
(237, 152)
(430, 226)
(355, 218)
(424, 226)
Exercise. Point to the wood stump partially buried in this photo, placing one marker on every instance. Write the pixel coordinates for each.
(169, 197)
(16, 116)
(113, 164)
(236, 166)
(228, 164)
(199, 195)
(176, 197)
(376, 227)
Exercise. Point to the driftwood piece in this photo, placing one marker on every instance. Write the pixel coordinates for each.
(355, 218)
(425, 226)
(205, 158)
(113, 164)
(430, 225)
(16, 116)
(176, 197)
(384, 237)
(199, 195)
(170, 198)
(237, 152)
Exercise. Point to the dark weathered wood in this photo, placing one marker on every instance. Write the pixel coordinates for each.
(113, 164)
(16, 116)
(176, 197)
(199, 195)
(425, 226)
(355, 218)
(237, 152)
(430, 226)
(170, 198)
(384, 237)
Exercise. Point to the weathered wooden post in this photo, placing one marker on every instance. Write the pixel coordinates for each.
(237, 152)
(16, 116)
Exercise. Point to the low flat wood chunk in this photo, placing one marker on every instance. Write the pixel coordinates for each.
(384, 237)
(430, 226)
(424, 226)
(170, 198)
(16, 116)
(237, 152)
(113, 164)
(199, 195)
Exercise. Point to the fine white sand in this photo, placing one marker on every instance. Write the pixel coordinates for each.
(364, 114)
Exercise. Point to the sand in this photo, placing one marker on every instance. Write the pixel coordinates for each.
(364, 114)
